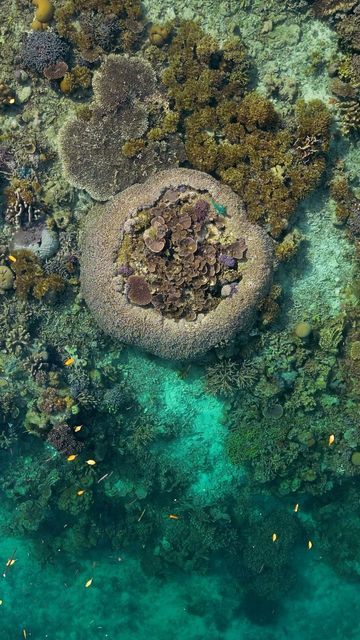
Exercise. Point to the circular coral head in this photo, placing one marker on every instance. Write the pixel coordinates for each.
(157, 258)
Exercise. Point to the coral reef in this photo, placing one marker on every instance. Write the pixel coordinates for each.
(238, 136)
(95, 26)
(92, 151)
(102, 279)
(42, 49)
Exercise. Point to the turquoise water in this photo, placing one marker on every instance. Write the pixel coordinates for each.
(209, 498)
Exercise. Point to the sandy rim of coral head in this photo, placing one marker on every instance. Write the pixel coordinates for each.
(146, 327)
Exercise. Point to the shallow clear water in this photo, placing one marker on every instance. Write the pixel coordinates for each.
(141, 497)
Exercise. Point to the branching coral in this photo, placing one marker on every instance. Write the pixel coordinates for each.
(94, 26)
(239, 137)
(31, 280)
(107, 238)
(42, 49)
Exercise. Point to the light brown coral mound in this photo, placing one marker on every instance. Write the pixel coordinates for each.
(146, 327)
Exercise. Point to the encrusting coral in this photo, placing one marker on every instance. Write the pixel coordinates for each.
(178, 247)
(93, 152)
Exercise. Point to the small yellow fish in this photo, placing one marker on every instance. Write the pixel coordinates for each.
(296, 508)
(80, 492)
(88, 583)
(274, 537)
(69, 361)
(310, 544)
(78, 428)
(72, 457)
(12, 258)
(24, 633)
(172, 516)
(91, 462)
(10, 562)
(331, 439)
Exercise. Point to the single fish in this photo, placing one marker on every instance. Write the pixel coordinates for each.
(78, 428)
(72, 457)
(310, 544)
(12, 258)
(10, 562)
(88, 583)
(219, 208)
(296, 508)
(172, 516)
(91, 462)
(80, 492)
(69, 361)
(274, 537)
(331, 439)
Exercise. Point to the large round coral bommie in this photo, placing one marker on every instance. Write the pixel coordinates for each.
(173, 265)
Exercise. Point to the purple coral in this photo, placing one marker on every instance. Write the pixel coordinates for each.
(125, 270)
(227, 261)
(41, 49)
(7, 161)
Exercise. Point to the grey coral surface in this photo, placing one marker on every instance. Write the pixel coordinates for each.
(91, 150)
(146, 327)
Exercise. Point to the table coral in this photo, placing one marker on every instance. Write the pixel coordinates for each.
(186, 315)
(94, 152)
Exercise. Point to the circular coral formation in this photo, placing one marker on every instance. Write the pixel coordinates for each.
(6, 279)
(156, 258)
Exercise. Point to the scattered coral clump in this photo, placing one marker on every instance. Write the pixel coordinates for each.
(31, 280)
(238, 136)
(174, 266)
(186, 257)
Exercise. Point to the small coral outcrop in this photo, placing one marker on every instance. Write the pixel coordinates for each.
(173, 265)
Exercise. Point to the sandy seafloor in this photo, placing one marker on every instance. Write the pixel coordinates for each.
(123, 604)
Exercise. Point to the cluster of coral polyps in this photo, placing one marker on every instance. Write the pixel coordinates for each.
(173, 265)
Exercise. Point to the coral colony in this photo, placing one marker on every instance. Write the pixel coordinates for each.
(179, 319)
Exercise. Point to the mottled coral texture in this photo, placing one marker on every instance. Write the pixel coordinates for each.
(91, 151)
(146, 327)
